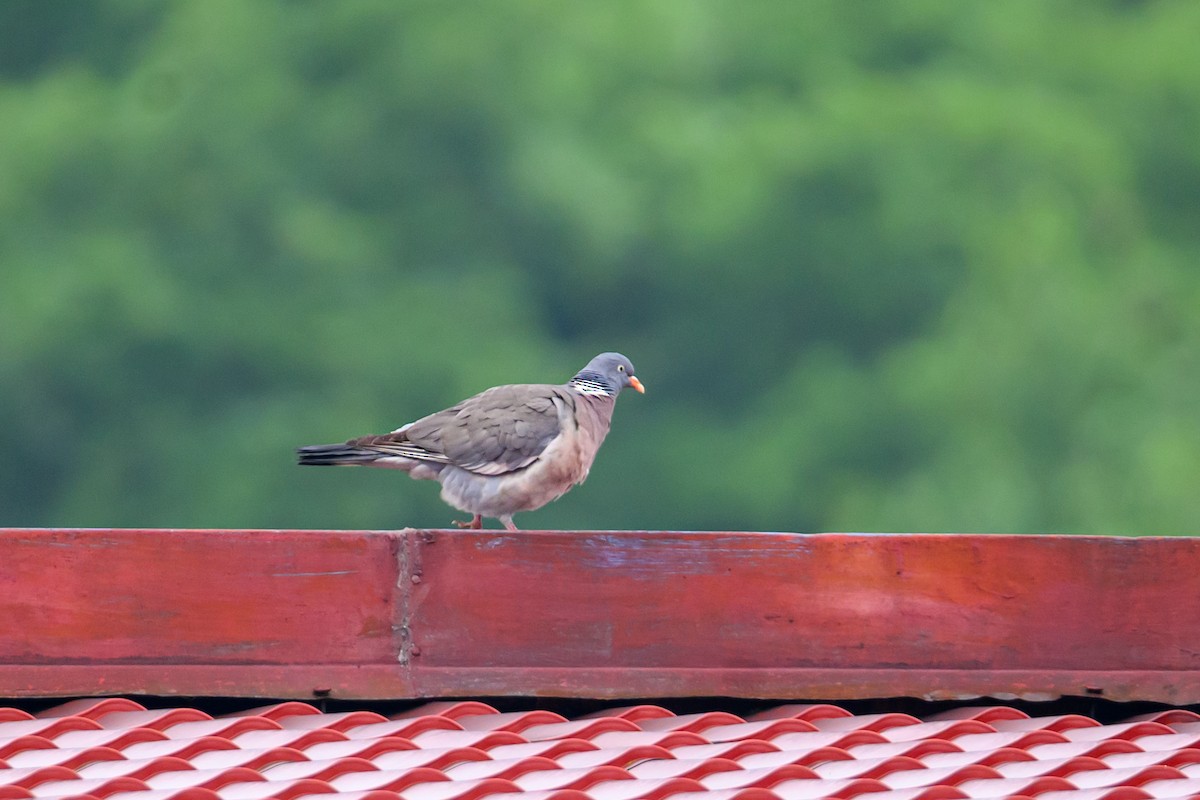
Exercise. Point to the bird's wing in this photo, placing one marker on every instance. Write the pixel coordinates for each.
(498, 431)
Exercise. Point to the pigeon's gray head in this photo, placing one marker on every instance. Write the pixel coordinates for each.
(607, 373)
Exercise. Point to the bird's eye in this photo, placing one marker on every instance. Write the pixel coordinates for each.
(621, 367)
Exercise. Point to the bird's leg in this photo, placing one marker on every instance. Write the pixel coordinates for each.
(508, 523)
(475, 522)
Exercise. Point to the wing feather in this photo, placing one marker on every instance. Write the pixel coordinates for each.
(496, 432)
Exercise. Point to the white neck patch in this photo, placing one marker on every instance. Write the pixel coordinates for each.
(590, 388)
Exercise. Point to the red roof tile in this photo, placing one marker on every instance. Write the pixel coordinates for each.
(1001, 787)
(397, 780)
(183, 748)
(49, 728)
(762, 778)
(947, 730)
(484, 740)
(73, 758)
(1128, 730)
(460, 790)
(300, 740)
(98, 737)
(1057, 767)
(866, 767)
(842, 739)
(919, 748)
(669, 739)
(167, 794)
(278, 790)
(1174, 741)
(728, 794)
(449, 709)
(763, 729)
(804, 711)
(631, 713)
(841, 789)
(582, 778)
(779, 758)
(1021, 739)
(91, 708)
(363, 748)
(405, 728)
(685, 768)
(1188, 757)
(206, 778)
(989, 758)
(578, 729)
(278, 711)
(142, 768)
(344, 722)
(515, 722)
(1119, 793)
(507, 768)
(1172, 788)
(652, 789)
(434, 758)
(1098, 749)
(21, 744)
(623, 757)
(867, 722)
(713, 755)
(252, 759)
(154, 720)
(1059, 723)
(29, 777)
(323, 770)
(96, 787)
(550, 748)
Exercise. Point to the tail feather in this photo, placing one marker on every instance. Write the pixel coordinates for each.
(325, 455)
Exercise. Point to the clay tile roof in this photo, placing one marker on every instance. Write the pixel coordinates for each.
(483, 740)
(286, 738)
(447, 709)
(577, 729)
(71, 757)
(515, 722)
(654, 754)
(779, 758)
(669, 739)
(335, 722)
(154, 720)
(804, 711)
(958, 758)
(624, 757)
(554, 748)
(866, 722)
(97, 787)
(278, 711)
(685, 767)
(91, 708)
(631, 713)
(507, 768)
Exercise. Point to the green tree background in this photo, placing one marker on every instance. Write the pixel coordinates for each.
(921, 266)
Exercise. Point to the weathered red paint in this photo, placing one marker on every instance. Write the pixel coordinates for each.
(423, 613)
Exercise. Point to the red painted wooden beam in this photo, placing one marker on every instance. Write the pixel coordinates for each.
(424, 613)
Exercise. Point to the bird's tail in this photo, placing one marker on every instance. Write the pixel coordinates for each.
(335, 455)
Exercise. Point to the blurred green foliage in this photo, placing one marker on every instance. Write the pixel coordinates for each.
(920, 266)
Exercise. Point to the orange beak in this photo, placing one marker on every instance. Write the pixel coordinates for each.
(636, 384)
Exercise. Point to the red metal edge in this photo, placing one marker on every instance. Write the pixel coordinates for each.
(443, 613)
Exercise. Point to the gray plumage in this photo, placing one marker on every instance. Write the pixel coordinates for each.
(508, 449)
